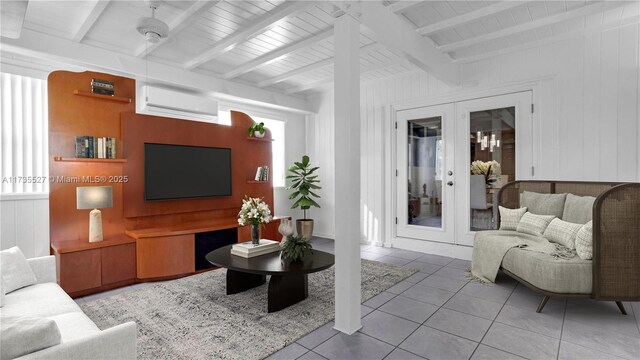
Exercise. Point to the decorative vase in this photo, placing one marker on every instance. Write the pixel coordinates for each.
(258, 134)
(285, 228)
(255, 234)
(305, 228)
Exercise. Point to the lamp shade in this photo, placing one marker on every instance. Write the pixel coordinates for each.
(94, 197)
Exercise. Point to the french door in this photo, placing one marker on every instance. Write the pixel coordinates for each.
(452, 160)
(425, 163)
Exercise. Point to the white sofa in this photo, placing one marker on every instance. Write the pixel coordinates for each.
(81, 338)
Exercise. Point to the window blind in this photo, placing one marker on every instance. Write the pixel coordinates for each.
(24, 148)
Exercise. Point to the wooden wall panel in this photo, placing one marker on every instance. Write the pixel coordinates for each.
(246, 156)
(71, 115)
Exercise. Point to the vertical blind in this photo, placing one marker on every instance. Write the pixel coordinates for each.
(24, 166)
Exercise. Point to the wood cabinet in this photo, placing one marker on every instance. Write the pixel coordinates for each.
(165, 256)
(85, 268)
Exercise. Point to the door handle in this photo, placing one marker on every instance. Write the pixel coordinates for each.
(450, 183)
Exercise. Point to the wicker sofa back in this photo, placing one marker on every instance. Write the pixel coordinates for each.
(616, 231)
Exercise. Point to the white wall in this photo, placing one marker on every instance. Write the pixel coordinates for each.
(295, 148)
(588, 115)
(24, 222)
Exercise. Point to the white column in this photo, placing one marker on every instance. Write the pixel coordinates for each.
(347, 173)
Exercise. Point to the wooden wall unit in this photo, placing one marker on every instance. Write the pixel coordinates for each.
(144, 240)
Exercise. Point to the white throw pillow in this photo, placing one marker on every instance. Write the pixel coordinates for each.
(562, 232)
(584, 241)
(534, 224)
(509, 218)
(15, 270)
(22, 335)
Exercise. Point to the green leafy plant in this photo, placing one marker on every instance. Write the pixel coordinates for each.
(259, 127)
(303, 181)
(294, 248)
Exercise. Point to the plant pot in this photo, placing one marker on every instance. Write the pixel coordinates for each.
(258, 134)
(305, 228)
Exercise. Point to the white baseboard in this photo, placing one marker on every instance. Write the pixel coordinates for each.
(432, 247)
(326, 236)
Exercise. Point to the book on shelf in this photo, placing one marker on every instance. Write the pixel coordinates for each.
(262, 173)
(102, 91)
(96, 148)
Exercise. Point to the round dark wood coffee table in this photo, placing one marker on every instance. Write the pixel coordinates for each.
(288, 284)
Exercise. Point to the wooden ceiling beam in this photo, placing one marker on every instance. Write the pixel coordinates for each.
(278, 54)
(394, 33)
(531, 25)
(402, 6)
(311, 67)
(468, 17)
(258, 27)
(98, 8)
(178, 24)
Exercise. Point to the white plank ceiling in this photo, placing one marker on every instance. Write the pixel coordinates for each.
(287, 46)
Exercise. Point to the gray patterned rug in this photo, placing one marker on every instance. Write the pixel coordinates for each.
(192, 318)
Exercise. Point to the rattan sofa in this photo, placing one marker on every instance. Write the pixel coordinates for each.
(615, 268)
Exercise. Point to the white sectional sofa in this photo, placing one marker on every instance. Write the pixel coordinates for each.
(80, 337)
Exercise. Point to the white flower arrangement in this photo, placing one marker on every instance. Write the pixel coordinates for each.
(254, 211)
(480, 167)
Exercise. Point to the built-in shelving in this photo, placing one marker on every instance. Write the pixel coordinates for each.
(258, 139)
(102, 97)
(257, 181)
(95, 160)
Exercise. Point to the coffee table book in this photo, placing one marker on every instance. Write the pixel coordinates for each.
(248, 250)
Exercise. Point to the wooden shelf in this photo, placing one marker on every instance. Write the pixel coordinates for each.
(102, 97)
(251, 138)
(94, 160)
(257, 182)
(67, 246)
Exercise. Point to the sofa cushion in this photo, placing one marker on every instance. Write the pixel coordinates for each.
(584, 241)
(22, 335)
(533, 224)
(578, 209)
(16, 271)
(74, 325)
(509, 218)
(562, 232)
(543, 204)
(572, 276)
(40, 300)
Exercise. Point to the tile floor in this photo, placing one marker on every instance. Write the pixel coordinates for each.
(438, 314)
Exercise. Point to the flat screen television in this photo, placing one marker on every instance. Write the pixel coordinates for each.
(185, 172)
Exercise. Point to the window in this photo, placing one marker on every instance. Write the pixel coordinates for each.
(24, 149)
(277, 150)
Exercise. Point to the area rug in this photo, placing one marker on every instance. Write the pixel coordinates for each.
(193, 318)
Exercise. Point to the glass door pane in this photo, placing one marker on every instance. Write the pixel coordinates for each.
(493, 162)
(424, 169)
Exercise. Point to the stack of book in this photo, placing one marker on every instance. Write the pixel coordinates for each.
(102, 87)
(95, 148)
(262, 174)
(248, 250)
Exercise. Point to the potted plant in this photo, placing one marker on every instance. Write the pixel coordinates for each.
(254, 212)
(303, 181)
(294, 248)
(257, 130)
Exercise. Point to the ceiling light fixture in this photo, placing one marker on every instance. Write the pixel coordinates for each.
(151, 28)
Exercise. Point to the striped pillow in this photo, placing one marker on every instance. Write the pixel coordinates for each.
(509, 218)
(584, 241)
(562, 232)
(534, 224)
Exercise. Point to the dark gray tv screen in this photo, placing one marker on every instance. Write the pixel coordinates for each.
(184, 172)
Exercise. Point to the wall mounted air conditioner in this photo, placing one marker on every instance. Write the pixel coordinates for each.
(159, 101)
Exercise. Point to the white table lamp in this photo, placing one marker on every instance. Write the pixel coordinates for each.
(94, 197)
